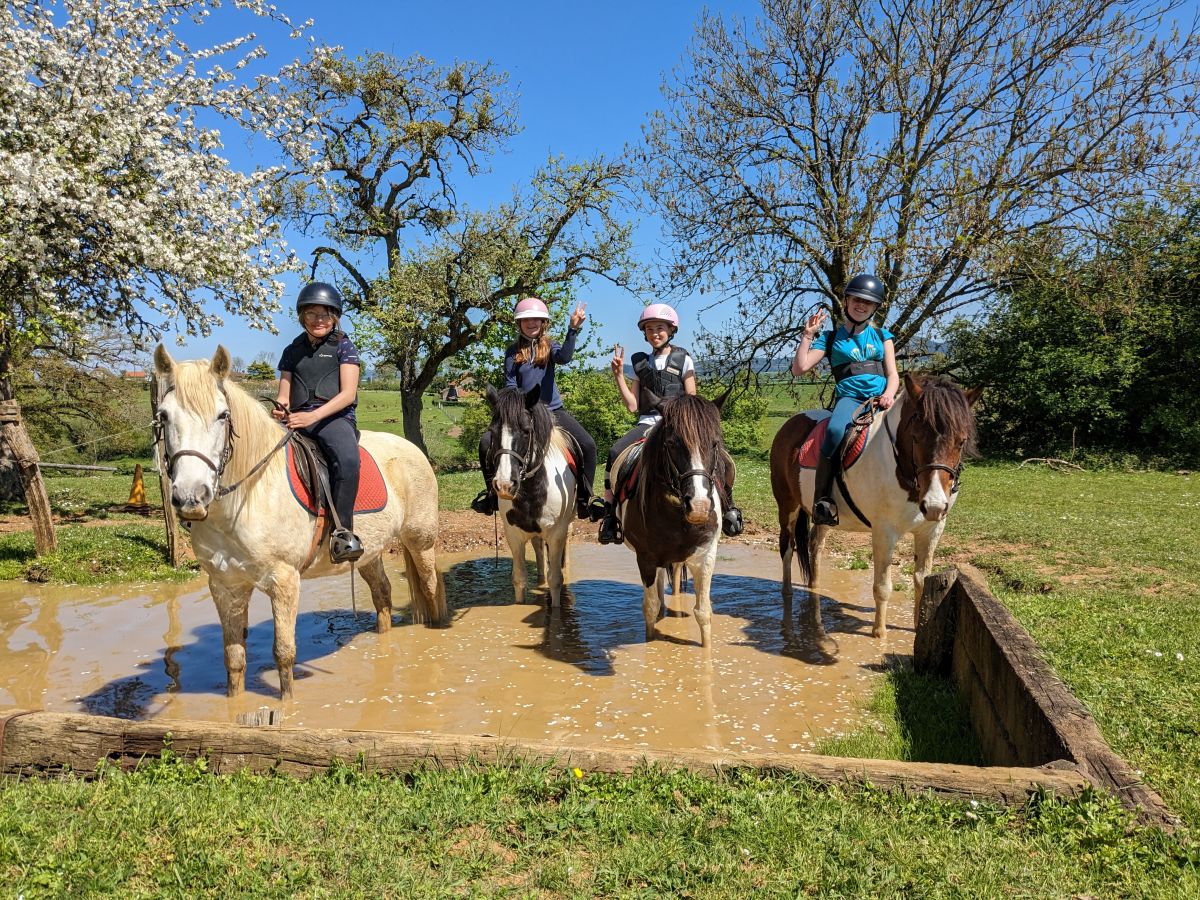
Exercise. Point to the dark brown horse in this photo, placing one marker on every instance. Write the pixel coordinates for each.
(674, 515)
(905, 481)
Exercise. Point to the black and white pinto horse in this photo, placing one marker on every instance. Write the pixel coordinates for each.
(673, 515)
(534, 484)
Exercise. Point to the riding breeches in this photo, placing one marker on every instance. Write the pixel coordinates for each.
(843, 415)
(338, 438)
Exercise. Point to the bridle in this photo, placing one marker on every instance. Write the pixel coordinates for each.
(217, 467)
(523, 464)
(678, 478)
(911, 483)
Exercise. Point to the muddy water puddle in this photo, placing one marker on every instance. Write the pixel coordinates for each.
(579, 675)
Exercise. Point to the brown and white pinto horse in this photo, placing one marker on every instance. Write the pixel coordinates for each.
(674, 513)
(905, 481)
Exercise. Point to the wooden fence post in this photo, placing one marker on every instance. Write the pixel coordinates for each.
(164, 485)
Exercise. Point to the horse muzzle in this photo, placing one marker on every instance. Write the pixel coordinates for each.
(697, 510)
(193, 512)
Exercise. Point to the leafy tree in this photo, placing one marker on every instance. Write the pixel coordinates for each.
(117, 207)
(259, 370)
(377, 156)
(1093, 352)
(913, 138)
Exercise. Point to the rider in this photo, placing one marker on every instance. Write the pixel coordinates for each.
(529, 362)
(863, 360)
(318, 391)
(665, 372)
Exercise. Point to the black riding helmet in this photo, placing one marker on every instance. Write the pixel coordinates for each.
(319, 294)
(866, 287)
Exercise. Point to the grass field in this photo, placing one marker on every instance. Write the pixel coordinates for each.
(1100, 566)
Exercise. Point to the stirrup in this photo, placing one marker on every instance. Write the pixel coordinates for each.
(610, 530)
(731, 522)
(344, 546)
(485, 502)
(825, 512)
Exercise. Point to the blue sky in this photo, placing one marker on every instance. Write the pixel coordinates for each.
(587, 74)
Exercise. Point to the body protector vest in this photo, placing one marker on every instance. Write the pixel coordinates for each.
(317, 376)
(855, 366)
(652, 382)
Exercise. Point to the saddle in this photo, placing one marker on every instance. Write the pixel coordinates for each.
(809, 452)
(308, 477)
(627, 466)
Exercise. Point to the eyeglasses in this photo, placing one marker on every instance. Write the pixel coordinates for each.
(313, 315)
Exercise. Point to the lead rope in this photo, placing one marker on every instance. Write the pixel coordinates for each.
(353, 602)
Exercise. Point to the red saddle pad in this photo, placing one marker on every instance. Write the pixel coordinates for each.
(372, 492)
(810, 450)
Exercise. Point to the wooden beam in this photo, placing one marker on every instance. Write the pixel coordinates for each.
(48, 743)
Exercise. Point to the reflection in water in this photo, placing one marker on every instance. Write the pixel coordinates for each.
(581, 674)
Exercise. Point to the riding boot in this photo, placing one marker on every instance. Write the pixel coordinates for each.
(610, 527)
(731, 520)
(485, 502)
(825, 511)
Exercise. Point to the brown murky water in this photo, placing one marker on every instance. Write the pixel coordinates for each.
(581, 675)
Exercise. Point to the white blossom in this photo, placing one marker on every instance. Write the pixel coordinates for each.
(116, 206)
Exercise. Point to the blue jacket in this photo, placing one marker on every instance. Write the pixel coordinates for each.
(527, 375)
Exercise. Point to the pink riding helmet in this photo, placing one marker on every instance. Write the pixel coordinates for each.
(658, 312)
(532, 308)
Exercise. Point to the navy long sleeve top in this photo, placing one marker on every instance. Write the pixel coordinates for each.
(527, 375)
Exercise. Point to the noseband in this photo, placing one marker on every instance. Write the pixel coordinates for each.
(525, 463)
(679, 478)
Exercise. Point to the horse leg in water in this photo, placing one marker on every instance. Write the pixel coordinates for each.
(283, 587)
(425, 585)
(652, 594)
(539, 555)
(381, 593)
(816, 547)
(233, 606)
(555, 549)
(883, 542)
(924, 544)
(516, 543)
(702, 568)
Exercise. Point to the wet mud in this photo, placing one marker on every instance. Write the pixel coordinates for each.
(580, 675)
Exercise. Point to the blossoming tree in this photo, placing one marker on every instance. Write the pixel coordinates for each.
(117, 208)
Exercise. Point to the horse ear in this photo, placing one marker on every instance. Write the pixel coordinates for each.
(221, 364)
(533, 396)
(973, 395)
(490, 396)
(163, 364)
(912, 385)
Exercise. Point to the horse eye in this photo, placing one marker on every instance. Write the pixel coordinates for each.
(223, 416)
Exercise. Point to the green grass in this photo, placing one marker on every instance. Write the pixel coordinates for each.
(172, 830)
(93, 555)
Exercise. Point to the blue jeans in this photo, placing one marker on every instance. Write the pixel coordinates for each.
(839, 421)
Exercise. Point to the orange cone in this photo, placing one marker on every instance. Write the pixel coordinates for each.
(137, 494)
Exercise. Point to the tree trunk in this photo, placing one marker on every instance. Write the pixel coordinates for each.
(26, 457)
(411, 404)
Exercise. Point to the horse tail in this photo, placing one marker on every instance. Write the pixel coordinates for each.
(426, 587)
(803, 543)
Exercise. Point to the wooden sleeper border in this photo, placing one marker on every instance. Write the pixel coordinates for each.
(1028, 722)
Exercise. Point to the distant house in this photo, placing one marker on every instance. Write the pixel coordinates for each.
(137, 375)
(450, 394)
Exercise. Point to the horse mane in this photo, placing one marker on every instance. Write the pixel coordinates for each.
(695, 421)
(944, 406)
(256, 431)
(510, 406)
